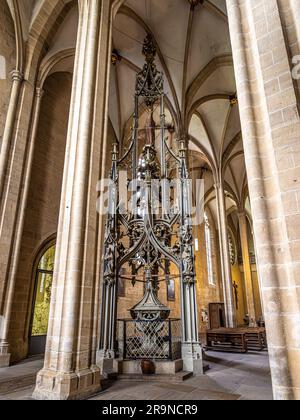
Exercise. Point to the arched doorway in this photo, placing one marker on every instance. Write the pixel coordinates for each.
(41, 303)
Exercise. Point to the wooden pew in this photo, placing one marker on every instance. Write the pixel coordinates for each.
(256, 339)
(238, 340)
(226, 341)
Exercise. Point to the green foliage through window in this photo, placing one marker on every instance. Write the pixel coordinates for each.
(43, 293)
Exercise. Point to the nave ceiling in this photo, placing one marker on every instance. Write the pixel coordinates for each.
(194, 53)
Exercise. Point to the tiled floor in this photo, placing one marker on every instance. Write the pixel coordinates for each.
(231, 377)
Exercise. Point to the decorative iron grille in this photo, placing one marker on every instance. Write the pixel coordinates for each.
(154, 340)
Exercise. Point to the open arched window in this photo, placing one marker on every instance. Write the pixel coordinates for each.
(208, 245)
(42, 297)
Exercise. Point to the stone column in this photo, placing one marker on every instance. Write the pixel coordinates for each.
(247, 268)
(230, 311)
(69, 370)
(15, 183)
(270, 121)
(17, 79)
(191, 348)
(8, 298)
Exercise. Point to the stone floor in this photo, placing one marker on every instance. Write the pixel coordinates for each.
(231, 377)
(20, 376)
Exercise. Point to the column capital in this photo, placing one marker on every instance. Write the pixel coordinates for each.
(39, 92)
(17, 76)
(195, 3)
(241, 213)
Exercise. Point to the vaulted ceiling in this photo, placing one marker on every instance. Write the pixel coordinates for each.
(194, 53)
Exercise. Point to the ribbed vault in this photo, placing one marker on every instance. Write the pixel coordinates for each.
(194, 53)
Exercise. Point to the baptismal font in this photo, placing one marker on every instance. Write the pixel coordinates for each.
(152, 237)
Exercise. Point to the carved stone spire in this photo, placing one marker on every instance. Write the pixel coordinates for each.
(149, 83)
(149, 49)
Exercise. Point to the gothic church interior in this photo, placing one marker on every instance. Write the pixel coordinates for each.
(228, 116)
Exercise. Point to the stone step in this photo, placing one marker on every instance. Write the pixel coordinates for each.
(17, 383)
(19, 376)
(177, 377)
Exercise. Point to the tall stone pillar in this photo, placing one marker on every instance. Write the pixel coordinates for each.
(11, 165)
(70, 370)
(15, 166)
(17, 79)
(247, 268)
(10, 287)
(230, 311)
(270, 121)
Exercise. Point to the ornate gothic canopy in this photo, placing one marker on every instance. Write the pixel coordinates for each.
(155, 230)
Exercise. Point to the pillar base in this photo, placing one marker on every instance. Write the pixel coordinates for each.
(286, 394)
(4, 355)
(105, 361)
(52, 385)
(192, 358)
(162, 367)
(4, 360)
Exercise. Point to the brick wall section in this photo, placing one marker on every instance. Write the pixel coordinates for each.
(8, 51)
(44, 199)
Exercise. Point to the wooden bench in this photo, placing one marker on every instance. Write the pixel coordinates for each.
(226, 341)
(256, 339)
(238, 340)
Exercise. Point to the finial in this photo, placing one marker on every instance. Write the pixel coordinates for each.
(17, 76)
(115, 152)
(149, 48)
(182, 148)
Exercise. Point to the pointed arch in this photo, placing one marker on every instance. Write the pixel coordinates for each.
(46, 22)
(15, 13)
(217, 62)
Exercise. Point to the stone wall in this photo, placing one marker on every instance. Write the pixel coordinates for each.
(241, 307)
(43, 204)
(207, 293)
(7, 56)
